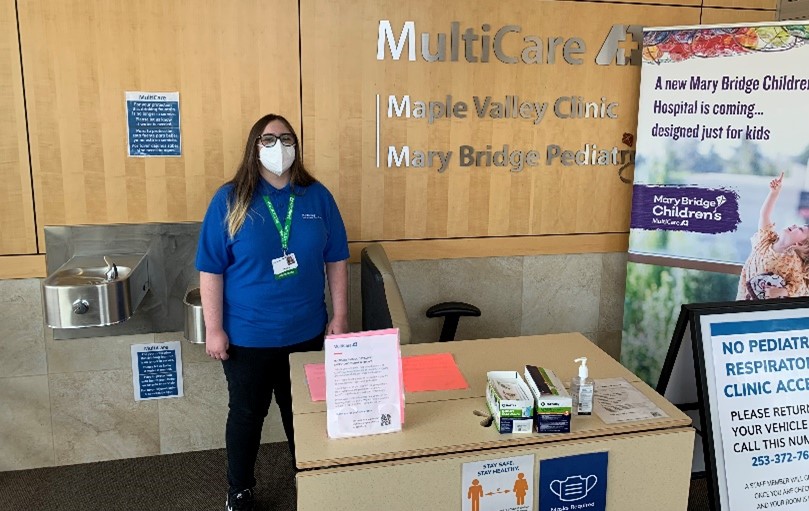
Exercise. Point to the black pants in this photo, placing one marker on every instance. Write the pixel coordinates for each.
(253, 375)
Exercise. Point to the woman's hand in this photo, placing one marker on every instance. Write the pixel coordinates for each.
(216, 344)
(775, 184)
(338, 325)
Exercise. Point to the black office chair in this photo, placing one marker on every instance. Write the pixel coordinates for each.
(382, 304)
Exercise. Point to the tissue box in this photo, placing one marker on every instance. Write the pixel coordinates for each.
(554, 405)
(510, 402)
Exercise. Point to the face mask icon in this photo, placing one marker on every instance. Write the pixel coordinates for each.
(573, 488)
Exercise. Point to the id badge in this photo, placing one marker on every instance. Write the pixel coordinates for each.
(285, 266)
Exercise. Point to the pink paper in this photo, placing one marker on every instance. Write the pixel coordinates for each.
(421, 373)
(316, 379)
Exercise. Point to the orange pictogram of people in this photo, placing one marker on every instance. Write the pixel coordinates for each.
(475, 492)
(520, 488)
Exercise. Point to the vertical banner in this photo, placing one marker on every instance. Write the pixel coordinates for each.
(157, 370)
(573, 482)
(153, 123)
(505, 484)
(721, 193)
(755, 379)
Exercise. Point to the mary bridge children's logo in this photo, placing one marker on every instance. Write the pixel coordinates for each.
(684, 208)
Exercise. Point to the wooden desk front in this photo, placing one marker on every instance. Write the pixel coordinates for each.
(420, 468)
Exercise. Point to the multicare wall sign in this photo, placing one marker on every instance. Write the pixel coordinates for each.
(536, 49)
(468, 120)
(487, 44)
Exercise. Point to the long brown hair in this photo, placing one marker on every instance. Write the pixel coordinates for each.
(248, 173)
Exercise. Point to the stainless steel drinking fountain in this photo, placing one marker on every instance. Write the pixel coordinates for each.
(95, 290)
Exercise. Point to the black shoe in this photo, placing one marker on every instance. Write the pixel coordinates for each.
(241, 501)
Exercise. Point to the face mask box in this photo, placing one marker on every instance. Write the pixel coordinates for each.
(510, 402)
(554, 405)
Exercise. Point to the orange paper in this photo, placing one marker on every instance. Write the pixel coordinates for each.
(432, 372)
(421, 373)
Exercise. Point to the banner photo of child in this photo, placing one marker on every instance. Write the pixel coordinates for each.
(778, 265)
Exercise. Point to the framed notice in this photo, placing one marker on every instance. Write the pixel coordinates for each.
(364, 386)
(752, 367)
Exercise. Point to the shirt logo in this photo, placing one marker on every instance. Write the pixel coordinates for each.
(310, 216)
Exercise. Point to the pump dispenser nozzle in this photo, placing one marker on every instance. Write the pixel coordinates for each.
(581, 389)
(583, 371)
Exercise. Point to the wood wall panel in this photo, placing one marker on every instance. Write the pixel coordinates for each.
(714, 16)
(231, 65)
(18, 234)
(409, 250)
(22, 266)
(742, 4)
(342, 77)
(691, 3)
(81, 56)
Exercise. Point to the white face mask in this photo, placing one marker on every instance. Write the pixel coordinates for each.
(278, 158)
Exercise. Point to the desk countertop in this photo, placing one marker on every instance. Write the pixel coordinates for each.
(443, 421)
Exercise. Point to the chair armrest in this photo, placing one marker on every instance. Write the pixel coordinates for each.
(444, 309)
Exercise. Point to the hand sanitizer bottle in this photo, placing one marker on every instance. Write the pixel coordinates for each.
(581, 390)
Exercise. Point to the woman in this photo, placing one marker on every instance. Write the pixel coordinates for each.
(263, 246)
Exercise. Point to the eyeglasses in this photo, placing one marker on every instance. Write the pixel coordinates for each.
(268, 139)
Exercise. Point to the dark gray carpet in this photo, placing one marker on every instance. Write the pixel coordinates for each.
(193, 481)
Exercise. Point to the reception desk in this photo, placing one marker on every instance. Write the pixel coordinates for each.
(420, 467)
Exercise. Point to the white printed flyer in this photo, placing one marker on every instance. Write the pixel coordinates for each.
(616, 400)
(757, 385)
(364, 385)
(504, 484)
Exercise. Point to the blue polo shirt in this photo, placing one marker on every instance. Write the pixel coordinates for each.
(258, 309)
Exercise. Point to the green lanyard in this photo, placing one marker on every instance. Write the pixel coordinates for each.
(284, 232)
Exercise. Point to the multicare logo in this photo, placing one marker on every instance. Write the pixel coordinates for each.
(622, 46)
(614, 49)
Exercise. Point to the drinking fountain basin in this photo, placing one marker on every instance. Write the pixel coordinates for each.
(95, 290)
(194, 329)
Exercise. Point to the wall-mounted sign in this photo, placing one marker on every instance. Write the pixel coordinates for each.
(478, 45)
(153, 123)
(474, 45)
(458, 120)
(157, 370)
